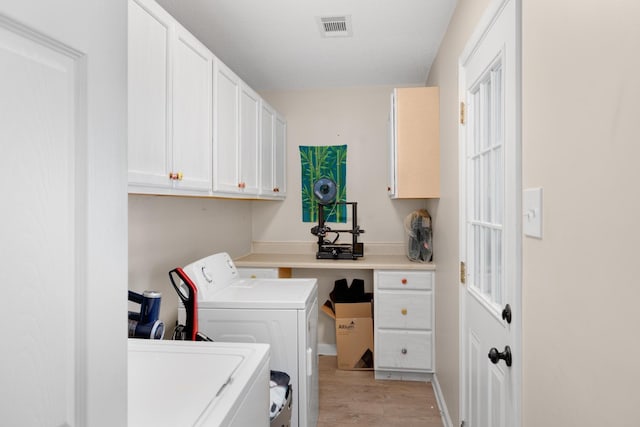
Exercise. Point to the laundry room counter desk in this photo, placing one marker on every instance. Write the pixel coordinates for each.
(308, 260)
(404, 336)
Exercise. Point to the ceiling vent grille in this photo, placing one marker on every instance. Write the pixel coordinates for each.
(335, 26)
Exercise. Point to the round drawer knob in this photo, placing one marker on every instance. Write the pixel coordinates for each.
(403, 311)
(403, 351)
(404, 281)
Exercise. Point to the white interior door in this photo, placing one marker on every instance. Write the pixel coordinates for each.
(63, 219)
(40, 227)
(490, 221)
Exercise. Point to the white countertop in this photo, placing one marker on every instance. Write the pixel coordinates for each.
(308, 260)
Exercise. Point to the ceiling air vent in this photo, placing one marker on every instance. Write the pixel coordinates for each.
(335, 26)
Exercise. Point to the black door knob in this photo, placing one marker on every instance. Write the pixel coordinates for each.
(506, 313)
(495, 355)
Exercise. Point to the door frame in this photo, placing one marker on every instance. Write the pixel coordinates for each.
(482, 28)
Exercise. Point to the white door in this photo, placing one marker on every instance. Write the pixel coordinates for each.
(63, 217)
(192, 109)
(490, 221)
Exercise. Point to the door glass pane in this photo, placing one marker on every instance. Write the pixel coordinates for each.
(485, 162)
(476, 188)
(497, 287)
(476, 258)
(496, 77)
(498, 185)
(486, 188)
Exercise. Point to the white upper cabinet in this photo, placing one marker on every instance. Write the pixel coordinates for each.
(249, 140)
(280, 163)
(192, 109)
(169, 105)
(267, 141)
(273, 153)
(195, 128)
(414, 137)
(226, 134)
(236, 142)
(150, 31)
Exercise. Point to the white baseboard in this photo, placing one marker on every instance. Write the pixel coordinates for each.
(444, 412)
(327, 349)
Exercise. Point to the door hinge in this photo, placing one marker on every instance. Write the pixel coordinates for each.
(463, 272)
(461, 112)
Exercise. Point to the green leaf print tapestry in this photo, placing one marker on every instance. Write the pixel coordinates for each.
(323, 162)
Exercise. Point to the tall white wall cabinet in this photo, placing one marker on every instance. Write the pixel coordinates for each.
(195, 128)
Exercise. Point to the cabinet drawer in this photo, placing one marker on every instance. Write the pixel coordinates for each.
(404, 279)
(404, 310)
(403, 350)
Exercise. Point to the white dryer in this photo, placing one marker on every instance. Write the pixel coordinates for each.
(279, 312)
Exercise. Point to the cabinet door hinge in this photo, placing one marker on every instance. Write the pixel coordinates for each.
(463, 272)
(462, 112)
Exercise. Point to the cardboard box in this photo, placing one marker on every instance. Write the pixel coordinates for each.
(354, 333)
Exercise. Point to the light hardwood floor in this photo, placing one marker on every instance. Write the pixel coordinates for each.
(355, 398)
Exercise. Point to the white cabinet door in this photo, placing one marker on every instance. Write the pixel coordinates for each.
(273, 153)
(192, 72)
(150, 31)
(280, 166)
(414, 135)
(249, 140)
(267, 149)
(226, 130)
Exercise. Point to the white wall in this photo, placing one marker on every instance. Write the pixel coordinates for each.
(580, 142)
(169, 232)
(358, 118)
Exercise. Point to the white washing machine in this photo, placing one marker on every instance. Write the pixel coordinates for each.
(199, 384)
(279, 312)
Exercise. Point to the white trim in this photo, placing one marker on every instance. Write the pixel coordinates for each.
(482, 28)
(442, 405)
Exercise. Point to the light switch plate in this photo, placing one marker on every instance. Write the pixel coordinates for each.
(532, 212)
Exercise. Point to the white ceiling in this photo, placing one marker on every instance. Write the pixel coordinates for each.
(277, 45)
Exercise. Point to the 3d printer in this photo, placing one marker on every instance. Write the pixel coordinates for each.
(325, 192)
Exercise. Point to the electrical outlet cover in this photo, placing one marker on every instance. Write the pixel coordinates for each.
(532, 212)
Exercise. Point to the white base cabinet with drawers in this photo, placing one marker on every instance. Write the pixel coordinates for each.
(404, 324)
